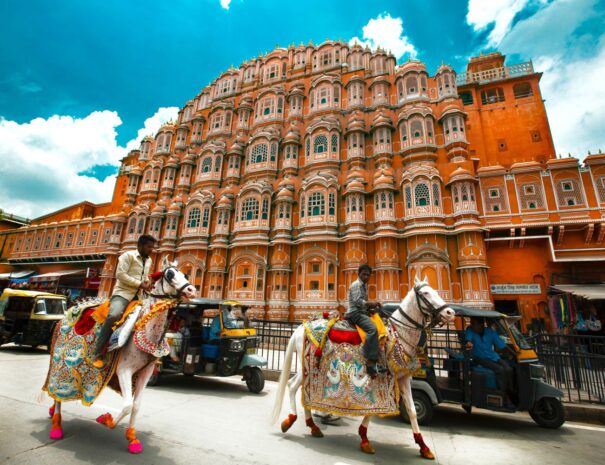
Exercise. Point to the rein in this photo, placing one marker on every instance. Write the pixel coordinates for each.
(164, 294)
(427, 311)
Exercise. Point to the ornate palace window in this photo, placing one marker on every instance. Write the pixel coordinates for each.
(193, 218)
(249, 209)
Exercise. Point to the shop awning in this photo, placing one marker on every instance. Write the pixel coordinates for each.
(586, 291)
(55, 275)
(17, 274)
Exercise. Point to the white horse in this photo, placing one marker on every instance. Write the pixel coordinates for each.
(134, 366)
(421, 308)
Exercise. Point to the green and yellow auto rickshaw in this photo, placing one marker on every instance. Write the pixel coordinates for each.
(450, 375)
(216, 339)
(29, 317)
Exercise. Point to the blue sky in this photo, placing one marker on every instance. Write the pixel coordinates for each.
(82, 81)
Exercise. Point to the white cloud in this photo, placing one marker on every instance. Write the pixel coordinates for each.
(225, 4)
(574, 95)
(386, 32)
(500, 13)
(573, 66)
(40, 161)
(152, 124)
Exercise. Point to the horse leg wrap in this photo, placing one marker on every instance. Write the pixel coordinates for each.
(134, 445)
(315, 431)
(56, 432)
(107, 420)
(365, 442)
(288, 422)
(425, 452)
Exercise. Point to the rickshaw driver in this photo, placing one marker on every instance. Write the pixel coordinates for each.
(358, 314)
(132, 275)
(482, 340)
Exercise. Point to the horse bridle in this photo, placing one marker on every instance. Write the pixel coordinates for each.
(164, 294)
(428, 311)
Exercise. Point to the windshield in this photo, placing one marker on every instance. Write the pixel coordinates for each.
(51, 306)
(519, 338)
(233, 318)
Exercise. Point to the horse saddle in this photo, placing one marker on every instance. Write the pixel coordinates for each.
(97, 314)
(343, 331)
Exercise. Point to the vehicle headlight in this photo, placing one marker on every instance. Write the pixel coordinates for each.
(537, 371)
(236, 345)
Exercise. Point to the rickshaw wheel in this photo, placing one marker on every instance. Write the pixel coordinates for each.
(255, 380)
(155, 379)
(424, 408)
(548, 412)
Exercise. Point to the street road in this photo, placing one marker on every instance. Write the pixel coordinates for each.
(217, 421)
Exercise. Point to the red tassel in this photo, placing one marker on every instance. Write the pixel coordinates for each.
(326, 314)
(155, 276)
(318, 352)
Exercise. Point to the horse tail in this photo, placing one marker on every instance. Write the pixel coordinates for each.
(41, 396)
(283, 379)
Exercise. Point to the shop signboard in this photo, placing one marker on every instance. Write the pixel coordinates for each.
(515, 288)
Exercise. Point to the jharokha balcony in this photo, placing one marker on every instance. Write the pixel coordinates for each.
(495, 74)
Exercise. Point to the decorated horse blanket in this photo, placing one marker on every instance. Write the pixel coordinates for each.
(335, 378)
(71, 376)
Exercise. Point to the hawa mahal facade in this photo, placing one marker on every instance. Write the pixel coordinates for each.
(284, 175)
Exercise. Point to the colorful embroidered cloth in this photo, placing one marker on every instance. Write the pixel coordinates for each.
(337, 381)
(70, 376)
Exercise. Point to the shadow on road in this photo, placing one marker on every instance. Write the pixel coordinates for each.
(230, 387)
(346, 446)
(89, 442)
(481, 423)
(24, 350)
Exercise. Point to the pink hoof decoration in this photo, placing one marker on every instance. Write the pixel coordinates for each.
(135, 447)
(56, 434)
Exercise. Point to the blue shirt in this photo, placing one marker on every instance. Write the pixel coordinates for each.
(483, 345)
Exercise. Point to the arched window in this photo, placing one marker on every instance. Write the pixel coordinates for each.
(206, 165)
(408, 197)
(320, 144)
(334, 141)
(411, 84)
(132, 224)
(250, 209)
(417, 129)
(436, 195)
(317, 204)
(421, 195)
(259, 153)
(193, 218)
(141, 226)
(273, 151)
(217, 164)
(206, 217)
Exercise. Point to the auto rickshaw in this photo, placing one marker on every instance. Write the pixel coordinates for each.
(29, 317)
(216, 340)
(449, 374)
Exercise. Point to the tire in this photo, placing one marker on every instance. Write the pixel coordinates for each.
(255, 380)
(155, 379)
(424, 408)
(548, 412)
